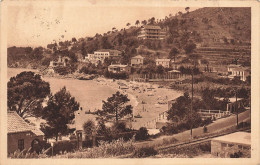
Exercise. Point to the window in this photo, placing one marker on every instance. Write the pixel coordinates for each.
(230, 145)
(246, 147)
(21, 144)
(223, 145)
(240, 146)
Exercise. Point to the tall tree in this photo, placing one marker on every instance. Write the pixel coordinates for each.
(190, 47)
(160, 69)
(83, 49)
(151, 21)
(74, 40)
(173, 53)
(180, 109)
(26, 93)
(137, 22)
(105, 44)
(144, 22)
(59, 112)
(187, 9)
(89, 128)
(37, 53)
(116, 106)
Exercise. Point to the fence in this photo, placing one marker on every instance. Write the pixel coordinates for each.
(158, 77)
(213, 114)
(162, 117)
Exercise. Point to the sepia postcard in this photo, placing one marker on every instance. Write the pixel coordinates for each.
(129, 82)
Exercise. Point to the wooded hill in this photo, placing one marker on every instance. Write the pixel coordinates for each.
(212, 28)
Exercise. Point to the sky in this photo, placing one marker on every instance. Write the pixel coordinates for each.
(34, 24)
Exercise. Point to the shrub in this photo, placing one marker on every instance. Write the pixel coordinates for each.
(87, 144)
(238, 154)
(205, 129)
(73, 137)
(142, 134)
(145, 152)
(206, 121)
(89, 128)
(63, 146)
(26, 154)
(104, 150)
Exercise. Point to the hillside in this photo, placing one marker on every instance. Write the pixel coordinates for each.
(219, 34)
(217, 23)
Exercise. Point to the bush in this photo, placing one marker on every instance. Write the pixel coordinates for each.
(206, 121)
(27, 154)
(63, 146)
(119, 130)
(145, 152)
(87, 143)
(104, 150)
(205, 129)
(122, 75)
(142, 134)
(73, 137)
(238, 154)
(89, 128)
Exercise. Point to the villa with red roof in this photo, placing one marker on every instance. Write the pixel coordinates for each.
(20, 135)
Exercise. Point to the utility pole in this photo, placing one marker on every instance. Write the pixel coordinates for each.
(237, 108)
(191, 107)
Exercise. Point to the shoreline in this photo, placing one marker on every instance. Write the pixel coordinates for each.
(147, 99)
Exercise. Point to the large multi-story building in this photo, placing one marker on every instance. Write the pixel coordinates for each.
(100, 55)
(151, 32)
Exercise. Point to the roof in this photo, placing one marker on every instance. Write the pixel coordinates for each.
(151, 27)
(233, 66)
(107, 50)
(237, 137)
(117, 65)
(174, 71)
(16, 124)
(139, 56)
(163, 60)
(240, 69)
(232, 99)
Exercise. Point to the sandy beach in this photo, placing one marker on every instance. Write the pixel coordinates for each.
(148, 100)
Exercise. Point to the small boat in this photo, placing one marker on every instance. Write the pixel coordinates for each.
(138, 116)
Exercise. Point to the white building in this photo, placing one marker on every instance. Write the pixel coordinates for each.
(151, 32)
(62, 61)
(100, 55)
(118, 68)
(238, 71)
(227, 145)
(164, 62)
(137, 61)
